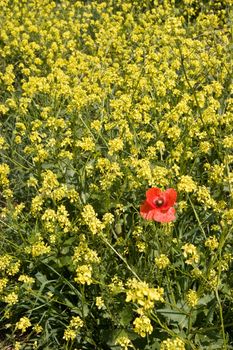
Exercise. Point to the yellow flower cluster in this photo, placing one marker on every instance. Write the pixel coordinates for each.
(137, 234)
(3, 283)
(162, 261)
(190, 252)
(38, 249)
(186, 184)
(226, 262)
(216, 173)
(213, 280)
(124, 342)
(17, 345)
(142, 325)
(26, 279)
(84, 258)
(37, 328)
(52, 219)
(172, 344)
(94, 224)
(23, 324)
(228, 142)
(192, 298)
(83, 253)
(90, 219)
(9, 265)
(99, 302)
(72, 330)
(50, 188)
(139, 292)
(87, 144)
(204, 197)
(3, 145)
(110, 171)
(11, 298)
(212, 243)
(5, 261)
(4, 181)
(227, 217)
(116, 286)
(115, 146)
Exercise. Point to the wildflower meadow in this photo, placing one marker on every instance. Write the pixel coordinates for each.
(116, 175)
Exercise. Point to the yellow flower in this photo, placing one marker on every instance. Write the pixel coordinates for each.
(17, 345)
(72, 330)
(36, 205)
(186, 184)
(216, 173)
(212, 243)
(142, 326)
(227, 217)
(204, 197)
(139, 292)
(190, 251)
(38, 328)
(5, 261)
(115, 146)
(4, 172)
(86, 143)
(192, 298)
(2, 143)
(50, 182)
(141, 246)
(23, 324)
(91, 220)
(84, 274)
(99, 303)
(11, 298)
(82, 253)
(213, 280)
(116, 286)
(172, 344)
(162, 261)
(76, 322)
(3, 283)
(69, 334)
(228, 142)
(205, 146)
(40, 248)
(13, 269)
(124, 342)
(26, 279)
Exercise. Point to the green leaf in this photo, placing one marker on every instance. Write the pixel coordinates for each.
(175, 316)
(126, 316)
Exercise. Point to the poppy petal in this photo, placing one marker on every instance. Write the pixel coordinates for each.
(145, 209)
(158, 205)
(169, 196)
(167, 216)
(152, 194)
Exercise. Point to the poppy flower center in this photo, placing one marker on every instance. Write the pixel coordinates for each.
(159, 202)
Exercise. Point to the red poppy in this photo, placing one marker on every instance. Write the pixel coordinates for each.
(158, 205)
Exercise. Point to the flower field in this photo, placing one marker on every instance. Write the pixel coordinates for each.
(116, 175)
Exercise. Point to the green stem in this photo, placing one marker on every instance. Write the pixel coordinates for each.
(121, 257)
(221, 319)
(223, 239)
(170, 332)
(17, 231)
(197, 217)
(229, 182)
